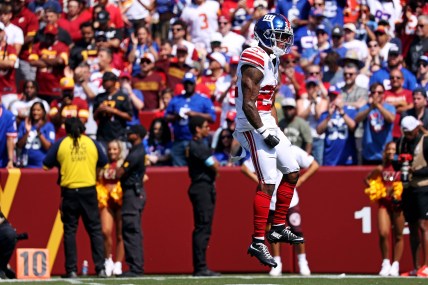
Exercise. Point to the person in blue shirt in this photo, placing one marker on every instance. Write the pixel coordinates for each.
(141, 43)
(136, 98)
(422, 80)
(333, 11)
(339, 125)
(7, 137)
(180, 109)
(35, 137)
(395, 60)
(378, 120)
(296, 11)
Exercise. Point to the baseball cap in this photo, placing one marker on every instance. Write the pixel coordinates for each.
(218, 57)
(321, 28)
(311, 79)
(2, 26)
(189, 77)
(109, 76)
(337, 31)
(351, 56)
(316, 12)
(423, 58)
(100, 35)
(234, 59)
(409, 123)
(333, 90)
(216, 37)
(351, 27)
(224, 17)
(394, 50)
(102, 16)
(288, 102)
(148, 56)
(66, 83)
(260, 3)
(51, 29)
(136, 129)
(230, 116)
(421, 90)
(380, 30)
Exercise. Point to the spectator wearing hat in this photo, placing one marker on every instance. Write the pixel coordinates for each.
(217, 64)
(225, 90)
(297, 12)
(67, 107)
(338, 124)
(398, 97)
(14, 34)
(73, 18)
(112, 110)
(180, 110)
(200, 31)
(352, 57)
(114, 14)
(34, 5)
(216, 39)
(85, 50)
(323, 44)
(422, 74)
(231, 42)
(50, 56)
(29, 24)
(112, 33)
(295, 128)
(51, 18)
(141, 42)
(383, 40)
(291, 74)
(149, 82)
(310, 106)
(377, 118)
(179, 32)
(351, 42)
(337, 39)
(419, 45)
(419, 110)
(135, 96)
(395, 60)
(390, 10)
(9, 56)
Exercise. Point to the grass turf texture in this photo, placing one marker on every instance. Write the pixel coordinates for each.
(234, 279)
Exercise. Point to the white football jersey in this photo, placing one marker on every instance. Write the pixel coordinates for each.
(257, 57)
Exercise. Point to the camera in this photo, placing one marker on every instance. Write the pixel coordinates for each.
(405, 159)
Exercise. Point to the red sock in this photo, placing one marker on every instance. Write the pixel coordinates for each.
(261, 212)
(283, 198)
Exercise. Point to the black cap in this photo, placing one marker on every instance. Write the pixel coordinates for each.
(136, 129)
(109, 76)
(103, 16)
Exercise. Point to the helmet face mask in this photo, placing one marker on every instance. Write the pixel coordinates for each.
(274, 32)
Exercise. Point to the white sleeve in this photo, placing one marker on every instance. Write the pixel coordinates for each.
(19, 36)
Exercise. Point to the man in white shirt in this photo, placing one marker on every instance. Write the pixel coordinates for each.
(232, 42)
(352, 43)
(14, 34)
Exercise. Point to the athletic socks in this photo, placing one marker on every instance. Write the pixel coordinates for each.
(284, 195)
(261, 212)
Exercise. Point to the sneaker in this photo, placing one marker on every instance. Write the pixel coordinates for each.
(413, 272)
(261, 251)
(423, 271)
(283, 235)
(117, 268)
(109, 266)
(304, 268)
(395, 269)
(102, 274)
(206, 273)
(276, 271)
(386, 267)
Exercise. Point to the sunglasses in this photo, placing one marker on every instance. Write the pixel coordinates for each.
(290, 61)
(395, 77)
(424, 64)
(377, 92)
(223, 23)
(314, 73)
(373, 46)
(421, 25)
(346, 74)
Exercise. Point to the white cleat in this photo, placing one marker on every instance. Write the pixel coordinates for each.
(304, 268)
(276, 271)
(117, 268)
(386, 267)
(395, 269)
(109, 266)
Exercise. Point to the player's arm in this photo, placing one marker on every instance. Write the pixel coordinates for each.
(308, 173)
(250, 84)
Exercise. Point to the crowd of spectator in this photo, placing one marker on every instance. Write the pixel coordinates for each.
(356, 67)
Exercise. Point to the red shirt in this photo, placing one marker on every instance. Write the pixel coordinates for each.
(78, 108)
(73, 26)
(29, 25)
(7, 76)
(210, 82)
(150, 86)
(174, 74)
(300, 78)
(391, 98)
(49, 77)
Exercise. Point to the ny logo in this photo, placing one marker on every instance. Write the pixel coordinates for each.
(268, 18)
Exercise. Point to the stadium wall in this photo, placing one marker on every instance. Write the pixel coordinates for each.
(339, 222)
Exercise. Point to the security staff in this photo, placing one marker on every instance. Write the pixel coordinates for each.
(7, 245)
(131, 175)
(202, 171)
(78, 157)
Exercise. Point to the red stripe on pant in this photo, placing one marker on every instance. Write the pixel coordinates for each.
(284, 194)
(249, 136)
(261, 213)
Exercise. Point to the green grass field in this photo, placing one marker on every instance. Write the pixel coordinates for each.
(234, 279)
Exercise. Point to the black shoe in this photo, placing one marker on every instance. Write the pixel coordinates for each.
(102, 274)
(71, 274)
(10, 273)
(206, 272)
(130, 274)
(3, 275)
(283, 235)
(260, 250)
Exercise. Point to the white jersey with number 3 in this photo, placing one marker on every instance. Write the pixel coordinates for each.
(260, 59)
